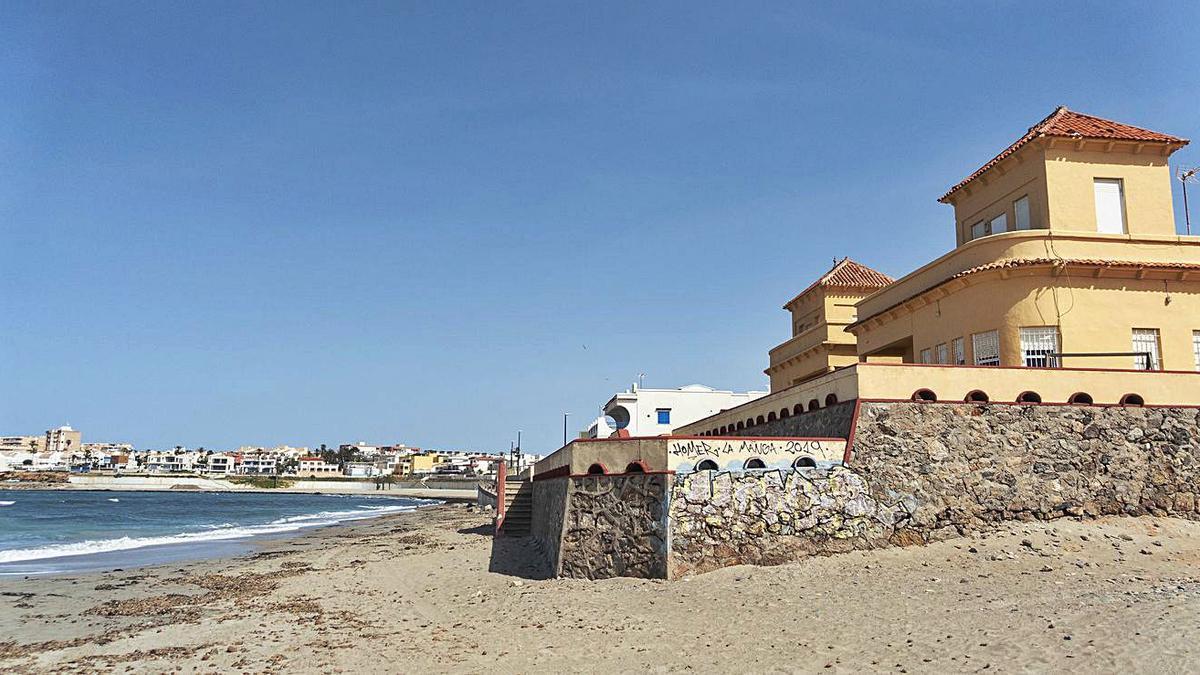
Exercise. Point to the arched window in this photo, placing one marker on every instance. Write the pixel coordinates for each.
(1080, 398)
(754, 463)
(759, 420)
(1029, 397)
(785, 413)
(814, 404)
(798, 408)
(771, 416)
(830, 400)
(739, 426)
(636, 467)
(977, 396)
(805, 462)
(924, 396)
(1132, 399)
(597, 470)
(749, 422)
(706, 465)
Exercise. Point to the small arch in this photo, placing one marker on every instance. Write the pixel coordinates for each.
(805, 462)
(723, 430)
(814, 404)
(830, 400)
(597, 469)
(759, 420)
(749, 422)
(924, 396)
(1133, 400)
(784, 413)
(798, 409)
(739, 426)
(706, 465)
(977, 396)
(771, 416)
(637, 466)
(1080, 398)
(754, 463)
(1029, 397)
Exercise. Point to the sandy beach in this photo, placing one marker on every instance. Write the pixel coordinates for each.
(426, 591)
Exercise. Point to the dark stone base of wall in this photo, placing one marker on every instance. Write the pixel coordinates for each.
(615, 526)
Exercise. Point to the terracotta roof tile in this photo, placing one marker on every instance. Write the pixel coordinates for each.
(847, 273)
(1070, 124)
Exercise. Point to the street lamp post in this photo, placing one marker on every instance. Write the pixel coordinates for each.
(565, 416)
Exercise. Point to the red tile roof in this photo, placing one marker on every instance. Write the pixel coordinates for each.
(847, 273)
(1070, 124)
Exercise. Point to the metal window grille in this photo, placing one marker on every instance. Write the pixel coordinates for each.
(1037, 344)
(987, 348)
(943, 353)
(1146, 340)
(926, 356)
(960, 354)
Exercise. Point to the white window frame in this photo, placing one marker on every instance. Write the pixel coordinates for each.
(1105, 223)
(1196, 347)
(960, 352)
(943, 353)
(1147, 340)
(1021, 216)
(926, 355)
(998, 224)
(1036, 343)
(985, 347)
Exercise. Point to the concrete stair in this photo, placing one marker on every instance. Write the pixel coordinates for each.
(518, 510)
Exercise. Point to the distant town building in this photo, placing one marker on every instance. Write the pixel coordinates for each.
(311, 466)
(63, 439)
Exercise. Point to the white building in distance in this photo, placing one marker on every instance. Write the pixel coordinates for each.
(657, 412)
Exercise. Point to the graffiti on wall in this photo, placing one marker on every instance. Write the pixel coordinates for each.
(689, 454)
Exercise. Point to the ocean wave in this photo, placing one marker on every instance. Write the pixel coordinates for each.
(7, 503)
(279, 526)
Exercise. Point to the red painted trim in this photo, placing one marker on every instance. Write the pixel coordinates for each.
(1086, 370)
(850, 436)
(724, 438)
(1044, 403)
(621, 475)
(501, 495)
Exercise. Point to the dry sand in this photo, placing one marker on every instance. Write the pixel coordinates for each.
(413, 593)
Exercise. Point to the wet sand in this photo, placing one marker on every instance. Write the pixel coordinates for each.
(425, 591)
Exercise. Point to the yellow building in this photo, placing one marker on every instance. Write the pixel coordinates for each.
(417, 464)
(1069, 283)
(820, 315)
(1066, 246)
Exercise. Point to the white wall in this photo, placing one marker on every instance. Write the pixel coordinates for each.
(687, 405)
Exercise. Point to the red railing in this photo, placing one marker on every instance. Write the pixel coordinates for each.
(501, 494)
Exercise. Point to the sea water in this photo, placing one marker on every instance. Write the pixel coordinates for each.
(60, 531)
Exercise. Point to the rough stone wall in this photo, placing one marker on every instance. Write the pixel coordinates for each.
(615, 526)
(924, 472)
(950, 468)
(770, 517)
(831, 422)
(548, 511)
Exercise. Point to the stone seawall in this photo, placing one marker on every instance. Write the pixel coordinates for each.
(925, 472)
(770, 517)
(831, 422)
(615, 526)
(955, 467)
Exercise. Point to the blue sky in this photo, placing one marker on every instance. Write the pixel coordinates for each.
(439, 223)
